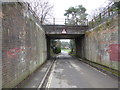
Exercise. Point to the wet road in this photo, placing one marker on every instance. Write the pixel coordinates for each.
(69, 72)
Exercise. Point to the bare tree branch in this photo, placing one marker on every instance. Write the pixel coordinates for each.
(42, 8)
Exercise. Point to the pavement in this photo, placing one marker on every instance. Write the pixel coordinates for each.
(33, 80)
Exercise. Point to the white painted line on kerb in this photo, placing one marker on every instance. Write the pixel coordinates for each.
(40, 86)
(51, 76)
(94, 68)
(98, 70)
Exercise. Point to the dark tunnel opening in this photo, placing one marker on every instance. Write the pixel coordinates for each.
(75, 46)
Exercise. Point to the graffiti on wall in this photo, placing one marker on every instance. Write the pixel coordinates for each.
(102, 44)
(114, 52)
(21, 45)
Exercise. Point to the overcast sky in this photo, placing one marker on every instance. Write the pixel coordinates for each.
(61, 5)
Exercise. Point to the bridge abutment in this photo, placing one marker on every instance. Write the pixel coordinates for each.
(48, 48)
(80, 48)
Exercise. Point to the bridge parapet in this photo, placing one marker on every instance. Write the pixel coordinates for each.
(64, 29)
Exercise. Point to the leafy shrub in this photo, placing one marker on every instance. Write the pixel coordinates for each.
(57, 50)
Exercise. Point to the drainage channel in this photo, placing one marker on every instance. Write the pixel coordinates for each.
(46, 76)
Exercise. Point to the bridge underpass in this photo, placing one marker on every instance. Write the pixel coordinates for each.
(77, 39)
(71, 72)
(76, 32)
(26, 46)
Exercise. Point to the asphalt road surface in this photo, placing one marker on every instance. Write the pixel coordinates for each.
(69, 72)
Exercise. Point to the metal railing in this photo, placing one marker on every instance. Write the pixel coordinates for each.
(54, 21)
(63, 21)
(107, 12)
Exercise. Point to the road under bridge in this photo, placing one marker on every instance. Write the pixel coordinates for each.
(26, 55)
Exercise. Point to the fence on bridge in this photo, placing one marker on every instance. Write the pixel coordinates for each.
(109, 11)
(63, 21)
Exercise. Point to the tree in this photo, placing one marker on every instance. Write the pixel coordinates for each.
(56, 46)
(72, 43)
(65, 44)
(42, 8)
(76, 15)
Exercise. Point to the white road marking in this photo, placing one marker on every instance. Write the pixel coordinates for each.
(98, 70)
(51, 76)
(94, 68)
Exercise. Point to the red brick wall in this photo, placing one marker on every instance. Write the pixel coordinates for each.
(20, 50)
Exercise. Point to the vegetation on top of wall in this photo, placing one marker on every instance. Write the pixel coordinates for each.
(102, 26)
(109, 11)
(108, 23)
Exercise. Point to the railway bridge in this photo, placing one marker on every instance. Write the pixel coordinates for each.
(64, 32)
(25, 51)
